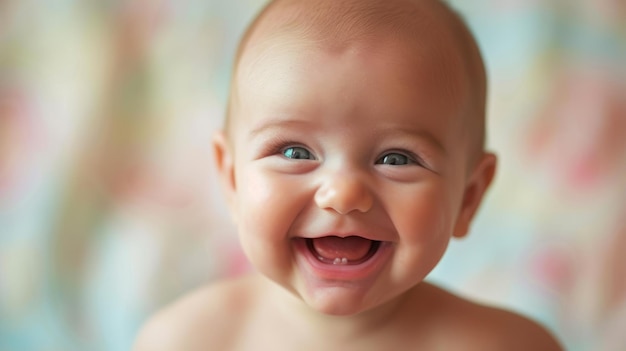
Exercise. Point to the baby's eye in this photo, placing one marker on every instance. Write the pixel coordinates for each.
(394, 158)
(298, 153)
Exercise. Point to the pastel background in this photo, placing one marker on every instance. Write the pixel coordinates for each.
(109, 206)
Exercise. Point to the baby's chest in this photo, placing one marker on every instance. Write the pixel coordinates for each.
(284, 339)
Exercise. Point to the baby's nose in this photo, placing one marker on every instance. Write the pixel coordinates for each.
(344, 193)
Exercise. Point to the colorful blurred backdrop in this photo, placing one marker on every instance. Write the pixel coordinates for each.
(109, 206)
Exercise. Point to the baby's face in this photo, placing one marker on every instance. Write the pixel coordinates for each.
(361, 142)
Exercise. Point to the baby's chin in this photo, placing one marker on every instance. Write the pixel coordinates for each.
(333, 304)
(339, 301)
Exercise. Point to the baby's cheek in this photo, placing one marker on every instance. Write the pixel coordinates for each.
(270, 203)
(258, 189)
(421, 220)
(423, 217)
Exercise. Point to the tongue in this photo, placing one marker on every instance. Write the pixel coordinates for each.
(352, 248)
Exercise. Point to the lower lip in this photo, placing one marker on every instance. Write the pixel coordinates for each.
(339, 272)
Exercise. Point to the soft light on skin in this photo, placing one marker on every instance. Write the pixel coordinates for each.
(351, 118)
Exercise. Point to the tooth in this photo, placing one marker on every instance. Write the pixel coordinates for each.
(337, 261)
(344, 261)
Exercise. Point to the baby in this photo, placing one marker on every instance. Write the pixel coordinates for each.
(352, 152)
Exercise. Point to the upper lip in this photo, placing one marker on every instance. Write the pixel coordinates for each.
(342, 234)
(319, 227)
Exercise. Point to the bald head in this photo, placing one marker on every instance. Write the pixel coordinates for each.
(428, 26)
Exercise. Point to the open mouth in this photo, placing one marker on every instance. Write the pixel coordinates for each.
(331, 259)
(334, 250)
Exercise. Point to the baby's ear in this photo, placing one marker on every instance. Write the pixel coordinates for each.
(475, 188)
(224, 161)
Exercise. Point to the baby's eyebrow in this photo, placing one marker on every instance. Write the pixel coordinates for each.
(276, 123)
(425, 135)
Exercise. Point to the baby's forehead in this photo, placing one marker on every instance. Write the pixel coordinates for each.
(424, 59)
(335, 22)
(423, 28)
(287, 61)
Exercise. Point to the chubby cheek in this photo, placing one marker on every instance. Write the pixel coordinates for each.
(265, 215)
(256, 194)
(423, 219)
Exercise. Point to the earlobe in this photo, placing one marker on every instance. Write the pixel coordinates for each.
(475, 189)
(226, 169)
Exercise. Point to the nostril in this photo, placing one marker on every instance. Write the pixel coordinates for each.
(344, 195)
(324, 196)
(366, 203)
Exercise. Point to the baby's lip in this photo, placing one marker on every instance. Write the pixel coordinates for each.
(363, 235)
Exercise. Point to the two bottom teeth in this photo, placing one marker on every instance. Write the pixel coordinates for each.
(375, 245)
(340, 261)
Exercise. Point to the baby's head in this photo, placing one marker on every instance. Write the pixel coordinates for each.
(429, 35)
(353, 147)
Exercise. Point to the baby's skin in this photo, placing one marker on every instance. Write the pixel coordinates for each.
(351, 155)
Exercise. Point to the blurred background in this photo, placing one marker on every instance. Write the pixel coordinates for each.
(109, 205)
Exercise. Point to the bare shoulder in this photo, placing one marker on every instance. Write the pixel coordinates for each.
(481, 327)
(205, 319)
(505, 330)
